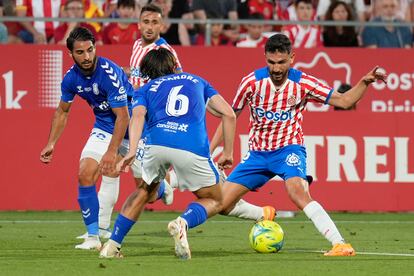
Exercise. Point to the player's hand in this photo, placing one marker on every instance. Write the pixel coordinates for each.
(108, 163)
(225, 162)
(125, 163)
(377, 73)
(46, 154)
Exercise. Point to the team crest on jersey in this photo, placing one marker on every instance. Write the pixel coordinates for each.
(291, 100)
(293, 160)
(95, 88)
(80, 88)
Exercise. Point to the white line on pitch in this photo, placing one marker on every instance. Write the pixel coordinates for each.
(358, 253)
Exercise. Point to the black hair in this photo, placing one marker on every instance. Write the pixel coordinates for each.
(278, 43)
(256, 15)
(151, 8)
(157, 63)
(126, 3)
(79, 34)
(297, 2)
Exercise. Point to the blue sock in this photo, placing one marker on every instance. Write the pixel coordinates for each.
(195, 214)
(121, 228)
(89, 205)
(161, 190)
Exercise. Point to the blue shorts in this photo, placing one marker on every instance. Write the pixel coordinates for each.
(258, 167)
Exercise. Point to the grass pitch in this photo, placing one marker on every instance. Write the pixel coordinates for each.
(42, 243)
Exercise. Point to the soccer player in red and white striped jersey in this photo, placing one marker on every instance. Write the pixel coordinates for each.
(150, 24)
(276, 96)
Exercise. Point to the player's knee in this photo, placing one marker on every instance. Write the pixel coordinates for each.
(85, 177)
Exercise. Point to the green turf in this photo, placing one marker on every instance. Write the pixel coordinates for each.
(42, 243)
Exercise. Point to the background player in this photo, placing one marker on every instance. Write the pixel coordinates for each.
(277, 97)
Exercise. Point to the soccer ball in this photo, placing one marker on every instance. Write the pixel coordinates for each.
(266, 236)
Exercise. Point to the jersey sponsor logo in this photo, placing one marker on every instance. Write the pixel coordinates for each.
(121, 97)
(173, 127)
(273, 116)
(88, 89)
(104, 106)
(293, 160)
(95, 88)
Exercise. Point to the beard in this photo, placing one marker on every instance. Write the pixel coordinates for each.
(88, 70)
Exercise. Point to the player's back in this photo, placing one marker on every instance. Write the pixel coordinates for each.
(176, 107)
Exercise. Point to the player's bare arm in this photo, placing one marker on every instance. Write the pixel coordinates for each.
(218, 135)
(228, 117)
(136, 126)
(108, 161)
(348, 99)
(58, 125)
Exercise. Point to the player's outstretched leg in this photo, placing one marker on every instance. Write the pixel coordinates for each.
(298, 191)
(246, 210)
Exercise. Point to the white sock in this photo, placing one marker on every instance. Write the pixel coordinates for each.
(173, 179)
(107, 196)
(320, 218)
(245, 210)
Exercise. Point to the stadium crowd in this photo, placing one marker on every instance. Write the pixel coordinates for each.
(249, 35)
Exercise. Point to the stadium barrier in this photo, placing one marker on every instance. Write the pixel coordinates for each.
(362, 160)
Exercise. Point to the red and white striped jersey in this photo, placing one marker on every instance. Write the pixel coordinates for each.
(138, 53)
(276, 115)
(247, 42)
(42, 8)
(304, 37)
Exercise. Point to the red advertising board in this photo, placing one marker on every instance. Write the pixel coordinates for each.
(362, 160)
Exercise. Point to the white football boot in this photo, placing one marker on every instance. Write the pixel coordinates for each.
(111, 249)
(91, 242)
(178, 230)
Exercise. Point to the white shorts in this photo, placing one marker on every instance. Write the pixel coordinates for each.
(193, 171)
(98, 143)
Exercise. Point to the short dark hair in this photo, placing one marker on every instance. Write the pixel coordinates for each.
(308, 2)
(126, 3)
(157, 63)
(278, 43)
(151, 8)
(79, 34)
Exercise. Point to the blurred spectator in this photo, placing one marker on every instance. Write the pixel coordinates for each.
(122, 33)
(39, 32)
(404, 10)
(304, 36)
(217, 37)
(356, 6)
(175, 34)
(203, 9)
(3, 28)
(343, 88)
(339, 36)
(93, 10)
(254, 37)
(387, 36)
(74, 9)
(249, 7)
